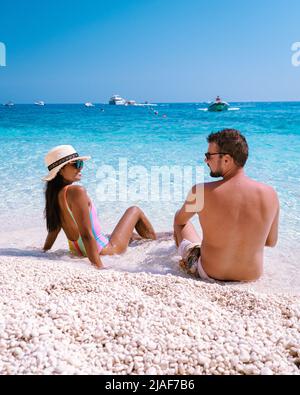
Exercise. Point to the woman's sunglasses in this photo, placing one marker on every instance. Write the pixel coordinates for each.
(78, 164)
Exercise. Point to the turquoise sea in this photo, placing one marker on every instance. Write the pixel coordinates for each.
(176, 136)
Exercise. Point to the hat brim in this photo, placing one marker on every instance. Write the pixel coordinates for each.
(53, 173)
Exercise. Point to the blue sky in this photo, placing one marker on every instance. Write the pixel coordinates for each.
(71, 51)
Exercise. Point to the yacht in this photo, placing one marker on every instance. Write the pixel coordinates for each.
(117, 100)
(9, 104)
(88, 104)
(39, 103)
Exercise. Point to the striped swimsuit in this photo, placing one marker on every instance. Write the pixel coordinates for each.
(77, 247)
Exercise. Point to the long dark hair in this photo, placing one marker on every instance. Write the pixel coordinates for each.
(52, 210)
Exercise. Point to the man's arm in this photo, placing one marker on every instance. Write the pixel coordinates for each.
(192, 205)
(52, 236)
(273, 234)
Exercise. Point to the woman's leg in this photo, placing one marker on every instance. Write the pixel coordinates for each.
(134, 218)
(162, 236)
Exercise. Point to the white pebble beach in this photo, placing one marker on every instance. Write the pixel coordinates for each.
(62, 316)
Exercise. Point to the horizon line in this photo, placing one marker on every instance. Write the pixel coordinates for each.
(175, 102)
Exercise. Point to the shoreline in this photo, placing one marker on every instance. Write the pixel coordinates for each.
(158, 257)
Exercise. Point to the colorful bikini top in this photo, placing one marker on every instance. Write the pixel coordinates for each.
(77, 247)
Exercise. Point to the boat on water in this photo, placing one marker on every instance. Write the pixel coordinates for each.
(39, 103)
(218, 105)
(117, 100)
(130, 103)
(9, 104)
(89, 104)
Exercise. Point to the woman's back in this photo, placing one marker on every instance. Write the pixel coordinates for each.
(67, 201)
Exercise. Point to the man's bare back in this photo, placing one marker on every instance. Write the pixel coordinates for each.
(236, 222)
(239, 218)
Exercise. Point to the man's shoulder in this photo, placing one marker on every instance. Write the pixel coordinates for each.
(204, 186)
(264, 187)
(267, 192)
(212, 184)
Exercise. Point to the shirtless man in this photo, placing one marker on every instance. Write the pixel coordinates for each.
(238, 219)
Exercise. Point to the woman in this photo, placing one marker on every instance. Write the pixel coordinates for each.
(68, 207)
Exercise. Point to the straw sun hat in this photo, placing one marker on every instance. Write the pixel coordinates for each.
(58, 157)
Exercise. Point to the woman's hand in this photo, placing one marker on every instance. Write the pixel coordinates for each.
(52, 236)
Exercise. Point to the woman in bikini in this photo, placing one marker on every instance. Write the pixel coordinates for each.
(69, 207)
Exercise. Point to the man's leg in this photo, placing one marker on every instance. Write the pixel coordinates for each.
(185, 238)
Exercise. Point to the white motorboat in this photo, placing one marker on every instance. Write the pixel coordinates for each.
(89, 104)
(39, 103)
(9, 104)
(131, 103)
(117, 100)
(146, 104)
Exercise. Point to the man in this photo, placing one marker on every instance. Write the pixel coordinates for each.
(239, 216)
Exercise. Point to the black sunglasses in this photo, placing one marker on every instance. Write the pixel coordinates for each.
(208, 154)
(78, 164)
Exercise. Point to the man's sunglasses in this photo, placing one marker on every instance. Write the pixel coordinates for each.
(208, 154)
(78, 164)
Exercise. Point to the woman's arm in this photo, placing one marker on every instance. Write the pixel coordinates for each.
(51, 239)
(79, 203)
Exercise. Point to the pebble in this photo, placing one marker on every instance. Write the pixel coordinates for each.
(266, 372)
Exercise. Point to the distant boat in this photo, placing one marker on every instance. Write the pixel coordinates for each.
(39, 103)
(9, 104)
(130, 103)
(117, 100)
(218, 105)
(88, 104)
(146, 104)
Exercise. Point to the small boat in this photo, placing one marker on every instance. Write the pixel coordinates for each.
(88, 104)
(146, 104)
(39, 103)
(218, 105)
(117, 100)
(130, 103)
(9, 104)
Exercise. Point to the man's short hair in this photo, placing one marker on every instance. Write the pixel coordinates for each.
(232, 142)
